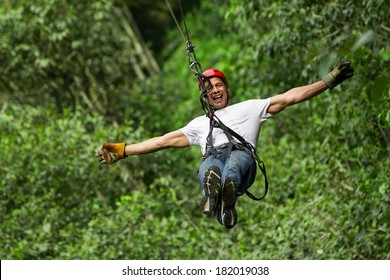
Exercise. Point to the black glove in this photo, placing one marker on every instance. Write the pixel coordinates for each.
(339, 74)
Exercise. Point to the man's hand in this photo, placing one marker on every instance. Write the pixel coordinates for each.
(339, 74)
(110, 153)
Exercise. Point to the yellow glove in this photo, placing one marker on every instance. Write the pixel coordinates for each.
(110, 153)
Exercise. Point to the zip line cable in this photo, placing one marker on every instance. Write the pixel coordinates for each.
(194, 64)
(174, 18)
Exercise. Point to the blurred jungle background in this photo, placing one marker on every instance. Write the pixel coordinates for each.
(75, 74)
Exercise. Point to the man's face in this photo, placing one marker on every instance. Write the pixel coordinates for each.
(217, 93)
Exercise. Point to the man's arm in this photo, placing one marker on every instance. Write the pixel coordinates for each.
(174, 139)
(294, 96)
(299, 94)
(111, 153)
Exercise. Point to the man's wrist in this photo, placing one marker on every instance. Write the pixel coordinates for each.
(125, 155)
(330, 81)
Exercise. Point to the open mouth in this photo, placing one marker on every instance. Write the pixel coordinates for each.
(217, 97)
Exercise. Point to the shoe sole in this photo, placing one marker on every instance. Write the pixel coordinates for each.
(229, 194)
(212, 187)
(228, 210)
(229, 218)
(212, 181)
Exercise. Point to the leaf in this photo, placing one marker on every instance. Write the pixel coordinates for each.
(46, 227)
(366, 38)
(383, 189)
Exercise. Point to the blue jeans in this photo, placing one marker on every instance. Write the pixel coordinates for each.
(239, 166)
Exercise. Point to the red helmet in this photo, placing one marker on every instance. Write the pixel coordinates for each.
(209, 73)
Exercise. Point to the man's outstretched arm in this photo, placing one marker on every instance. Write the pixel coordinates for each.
(175, 139)
(294, 96)
(299, 94)
(111, 153)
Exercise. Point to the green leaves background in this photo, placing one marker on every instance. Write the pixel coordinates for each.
(73, 75)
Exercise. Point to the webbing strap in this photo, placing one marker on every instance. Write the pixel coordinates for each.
(216, 122)
(210, 149)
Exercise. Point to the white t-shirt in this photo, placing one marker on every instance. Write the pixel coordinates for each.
(245, 118)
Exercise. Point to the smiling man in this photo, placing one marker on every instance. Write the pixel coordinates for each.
(227, 171)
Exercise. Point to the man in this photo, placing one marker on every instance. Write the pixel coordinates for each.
(226, 171)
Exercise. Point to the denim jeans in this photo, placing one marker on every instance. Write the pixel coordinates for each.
(239, 166)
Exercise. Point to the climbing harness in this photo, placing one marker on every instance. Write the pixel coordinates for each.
(215, 122)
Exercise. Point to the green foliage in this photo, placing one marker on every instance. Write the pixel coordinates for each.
(309, 38)
(327, 159)
(334, 148)
(49, 174)
(70, 53)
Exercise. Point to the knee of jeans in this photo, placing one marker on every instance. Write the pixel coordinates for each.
(231, 171)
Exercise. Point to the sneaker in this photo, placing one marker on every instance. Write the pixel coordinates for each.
(228, 211)
(212, 188)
